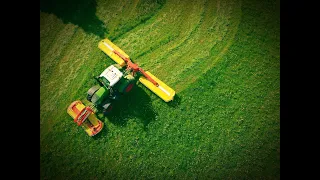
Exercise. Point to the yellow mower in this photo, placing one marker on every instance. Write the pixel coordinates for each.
(146, 78)
(85, 117)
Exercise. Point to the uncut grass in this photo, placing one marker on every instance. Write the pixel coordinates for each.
(221, 57)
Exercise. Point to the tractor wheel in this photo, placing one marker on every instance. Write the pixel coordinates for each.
(129, 87)
(108, 110)
(128, 84)
(91, 92)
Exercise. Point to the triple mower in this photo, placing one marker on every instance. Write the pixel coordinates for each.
(115, 81)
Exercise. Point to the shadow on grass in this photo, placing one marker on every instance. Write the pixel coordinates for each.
(135, 104)
(175, 102)
(78, 12)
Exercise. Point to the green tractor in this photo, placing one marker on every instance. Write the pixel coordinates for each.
(116, 80)
(113, 82)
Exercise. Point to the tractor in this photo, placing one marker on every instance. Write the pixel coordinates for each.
(118, 79)
(113, 82)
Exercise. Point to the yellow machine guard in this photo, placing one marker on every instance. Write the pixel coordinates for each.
(78, 105)
(163, 91)
(94, 121)
(107, 47)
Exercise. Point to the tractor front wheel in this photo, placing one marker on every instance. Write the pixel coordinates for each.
(91, 92)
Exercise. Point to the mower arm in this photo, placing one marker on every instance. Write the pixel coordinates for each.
(148, 77)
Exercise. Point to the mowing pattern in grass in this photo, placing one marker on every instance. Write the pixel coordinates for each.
(222, 58)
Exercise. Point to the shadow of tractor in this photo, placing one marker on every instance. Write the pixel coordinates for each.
(78, 12)
(175, 102)
(135, 104)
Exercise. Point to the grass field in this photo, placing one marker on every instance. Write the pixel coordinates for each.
(221, 57)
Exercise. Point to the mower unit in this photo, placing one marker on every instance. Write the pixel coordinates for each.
(85, 117)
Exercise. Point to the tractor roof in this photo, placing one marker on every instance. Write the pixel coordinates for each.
(112, 74)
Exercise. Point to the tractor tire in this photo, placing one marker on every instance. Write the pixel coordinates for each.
(127, 86)
(108, 110)
(91, 92)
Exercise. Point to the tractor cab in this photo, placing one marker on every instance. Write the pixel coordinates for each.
(114, 81)
(110, 76)
(115, 78)
(109, 79)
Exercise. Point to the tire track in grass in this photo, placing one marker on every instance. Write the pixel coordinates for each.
(124, 16)
(165, 27)
(58, 47)
(65, 80)
(172, 49)
(50, 26)
(229, 41)
(48, 66)
(205, 59)
(135, 3)
(169, 29)
(177, 45)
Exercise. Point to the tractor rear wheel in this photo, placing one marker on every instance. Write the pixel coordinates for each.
(127, 85)
(107, 110)
(91, 92)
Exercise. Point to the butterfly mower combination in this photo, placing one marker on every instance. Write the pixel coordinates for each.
(115, 81)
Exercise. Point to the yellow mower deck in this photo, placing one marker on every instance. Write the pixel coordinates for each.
(92, 125)
(163, 91)
(106, 46)
(95, 122)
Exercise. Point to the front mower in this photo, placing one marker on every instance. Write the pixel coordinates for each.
(84, 116)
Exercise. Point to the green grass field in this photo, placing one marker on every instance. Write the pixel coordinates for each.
(221, 57)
